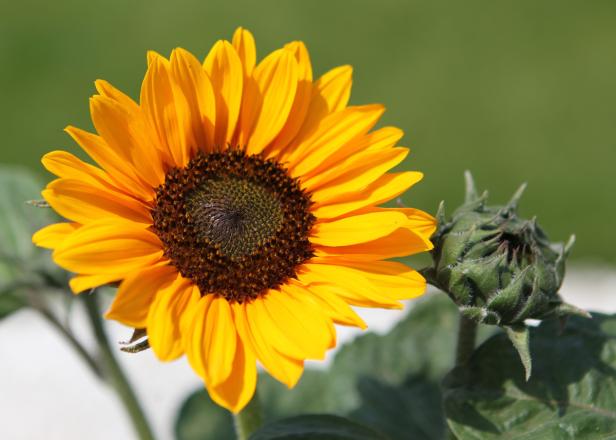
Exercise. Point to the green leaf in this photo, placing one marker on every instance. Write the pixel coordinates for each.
(411, 410)
(18, 220)
(21, 263)
(389, 382)
(315, 427)
(570, 395)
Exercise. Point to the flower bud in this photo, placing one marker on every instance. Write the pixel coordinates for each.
(497, 267)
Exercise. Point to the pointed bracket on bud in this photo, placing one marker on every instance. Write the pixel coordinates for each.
(471, 193)
(569, 245)
(440, 214)
(519, 337)
(512, 205)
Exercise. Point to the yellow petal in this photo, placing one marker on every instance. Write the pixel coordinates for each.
(132, 301)
(121, 170)
(193, 327)
(383, 189)
(400, 243)
(276, 78)
(194, 83)
(164, 315)
(109, 246)
(281, 367)
(78, 201)
(166, 112)
(67, 165)
(397, 279)
(125, 133)
(330, 94)
(381, 139)
(335, 307)
(106, 89)
(303, 96)
(211, 342)
(219, 341)
(357, 229)
(419, 222)
(333, 140)
(350, 284)
(277, 337)
(152, 56)
(239, 388)
(354, 174)
(244, 44)
(81, 283)
(300, 326)
(335, 87)
(322, 329)
(52, 236)
(224, 68)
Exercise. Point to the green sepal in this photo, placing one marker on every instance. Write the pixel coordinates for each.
(519, 337)
(480, 315)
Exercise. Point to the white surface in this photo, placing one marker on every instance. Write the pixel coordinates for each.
(47, 393)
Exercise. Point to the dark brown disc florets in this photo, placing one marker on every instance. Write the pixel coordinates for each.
(236, 225)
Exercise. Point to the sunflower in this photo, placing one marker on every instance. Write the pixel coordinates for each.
(237, 207)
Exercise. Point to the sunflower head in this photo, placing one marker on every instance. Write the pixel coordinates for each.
(236, 204)
(497, 267)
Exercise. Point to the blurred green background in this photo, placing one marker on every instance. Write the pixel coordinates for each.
(515, 91)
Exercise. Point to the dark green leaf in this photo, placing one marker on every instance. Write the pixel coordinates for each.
(315, 427)
(570, 395)
(411, 410)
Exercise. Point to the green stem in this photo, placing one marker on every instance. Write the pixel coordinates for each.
(248, 420)
(467, 333)
(113, 373)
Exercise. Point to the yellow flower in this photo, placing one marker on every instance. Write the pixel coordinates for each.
(236, 205)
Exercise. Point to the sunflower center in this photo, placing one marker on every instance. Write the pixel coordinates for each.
(236, 225)
(236, 214)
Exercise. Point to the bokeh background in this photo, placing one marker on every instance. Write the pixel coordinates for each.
(515, 91)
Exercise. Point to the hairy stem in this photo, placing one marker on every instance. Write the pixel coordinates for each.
(467, 333)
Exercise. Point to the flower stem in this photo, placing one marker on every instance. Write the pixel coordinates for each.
(248, 420)
(467, 333)
(113, 373)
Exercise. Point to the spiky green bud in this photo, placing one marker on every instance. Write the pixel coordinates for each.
(499, 268)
